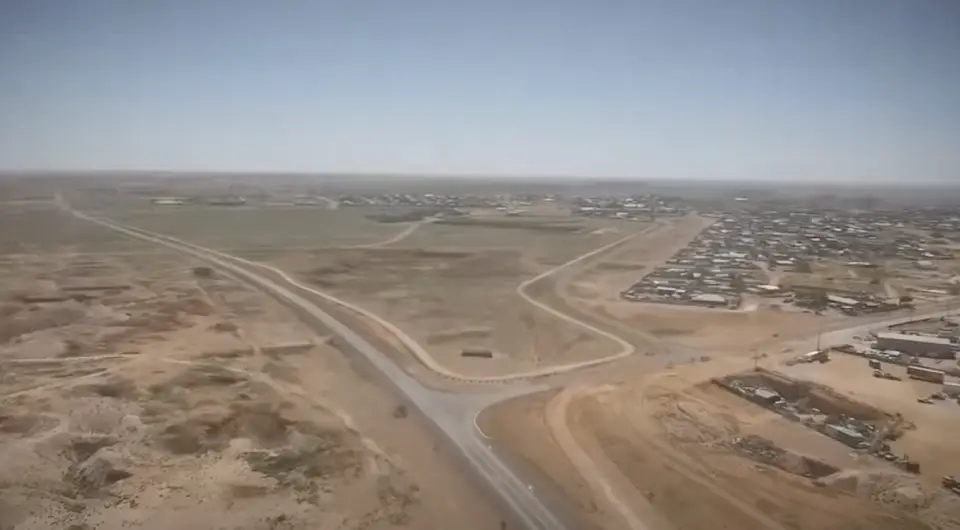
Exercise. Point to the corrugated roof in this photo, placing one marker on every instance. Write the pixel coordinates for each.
(925, 339)
(712, 298)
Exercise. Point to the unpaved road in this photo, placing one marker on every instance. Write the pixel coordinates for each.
(556, 414)
(447, 417)
(395, 239)
(454, 422)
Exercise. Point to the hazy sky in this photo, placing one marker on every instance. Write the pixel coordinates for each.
(744, 89)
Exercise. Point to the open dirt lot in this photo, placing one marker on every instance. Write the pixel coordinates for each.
(135, 392)
(453, 287)
(676, 451)
(930, 442)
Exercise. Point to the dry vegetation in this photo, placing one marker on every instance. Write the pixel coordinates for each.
(454, 287)
(685, 454)
(139, 390)
(268, 230)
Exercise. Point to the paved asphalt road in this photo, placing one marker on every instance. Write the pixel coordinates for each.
(453, 414)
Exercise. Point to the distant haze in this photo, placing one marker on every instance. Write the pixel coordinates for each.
(815, 90)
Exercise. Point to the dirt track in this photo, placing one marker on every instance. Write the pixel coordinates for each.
(255, 423)
(664, 448)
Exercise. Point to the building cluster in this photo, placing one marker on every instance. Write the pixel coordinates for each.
(787, 240)
(914, 342)
(632, 207)
(940, 222)
(423, 200)
(727, 260)
(851, 431)
(918, 345)
(847, 302)
(704, 286)
(858, 433)
(927, 348)
(858, 238)
(227, 200)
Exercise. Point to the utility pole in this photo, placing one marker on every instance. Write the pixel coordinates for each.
(819, 333)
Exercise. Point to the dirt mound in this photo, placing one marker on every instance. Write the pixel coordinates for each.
(396, 496)
(686, 421)
(212, 429)
(114, 387)
(311, 456)
(92, 474)
(190, 305)
(35, 346)
(41, 317)
(99, 415)
(198, 377)
(938, 508)
(24, 424)
(766, 452)
(80, 448)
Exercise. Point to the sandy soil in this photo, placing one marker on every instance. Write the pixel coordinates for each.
(454, 287)
(594, 293)
(163, 399)
(670, 448)
(931, 443)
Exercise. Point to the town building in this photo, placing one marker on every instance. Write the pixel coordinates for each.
(845, 434)
(167, 201)
(920, 345)
(711, 300)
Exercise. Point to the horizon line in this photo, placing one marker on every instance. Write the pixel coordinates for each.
(453, 176)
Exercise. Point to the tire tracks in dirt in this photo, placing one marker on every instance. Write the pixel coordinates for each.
(394, 239)
(556, 417)
(418, 351)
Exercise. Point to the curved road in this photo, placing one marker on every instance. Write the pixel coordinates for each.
(444, 410)
(418, 351)
(454, 415)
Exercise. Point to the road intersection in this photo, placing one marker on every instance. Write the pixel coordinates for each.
(453, 414)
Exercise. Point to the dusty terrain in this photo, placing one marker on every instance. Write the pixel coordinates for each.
(674, 451)
(594, 293)
(136, 391)
(453, 287)
(263, 231)
(930, 442)
(134, 386)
